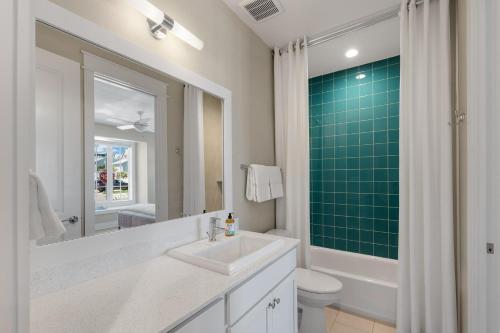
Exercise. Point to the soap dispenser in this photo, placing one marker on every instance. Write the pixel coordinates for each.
(230, 228)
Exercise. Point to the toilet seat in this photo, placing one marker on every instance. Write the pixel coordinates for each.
(309, 281)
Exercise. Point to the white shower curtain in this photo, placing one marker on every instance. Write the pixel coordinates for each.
(292, 143)
(193, 152)
(426, 278)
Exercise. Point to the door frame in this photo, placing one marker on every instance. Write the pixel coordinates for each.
(17, 151)
(97, 66)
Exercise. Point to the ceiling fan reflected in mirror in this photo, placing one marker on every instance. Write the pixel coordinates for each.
(140, 125)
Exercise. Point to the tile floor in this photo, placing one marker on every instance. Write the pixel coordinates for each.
(338, 321)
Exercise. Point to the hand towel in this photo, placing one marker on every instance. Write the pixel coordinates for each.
(44, 222)
(258, 188)
(275, 182)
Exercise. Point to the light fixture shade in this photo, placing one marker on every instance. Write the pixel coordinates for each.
(186, 36)
(148, 9)
(159, 23)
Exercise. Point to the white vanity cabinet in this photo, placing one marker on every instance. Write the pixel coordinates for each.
(266, 303)
(275, 313)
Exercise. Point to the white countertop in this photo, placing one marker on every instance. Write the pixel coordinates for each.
(153, 296)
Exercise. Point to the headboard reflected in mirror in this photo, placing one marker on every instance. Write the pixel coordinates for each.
(121, 143)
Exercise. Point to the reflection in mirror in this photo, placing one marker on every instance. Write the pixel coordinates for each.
(124, 154)
(119, 145)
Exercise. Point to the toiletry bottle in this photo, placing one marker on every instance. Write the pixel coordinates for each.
(236, 225)
(230, 226)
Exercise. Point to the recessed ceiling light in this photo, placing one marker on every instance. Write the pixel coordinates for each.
(360, 76)
(351, 53)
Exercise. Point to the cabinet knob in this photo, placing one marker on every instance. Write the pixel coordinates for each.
(277, 300)
(271, 305)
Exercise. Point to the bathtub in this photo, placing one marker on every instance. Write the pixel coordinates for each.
(369, 283)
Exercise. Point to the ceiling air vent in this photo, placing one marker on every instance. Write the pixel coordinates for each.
(261, 10)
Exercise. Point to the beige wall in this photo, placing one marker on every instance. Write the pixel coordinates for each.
(212, 139)
(233, 56)
(175, 124)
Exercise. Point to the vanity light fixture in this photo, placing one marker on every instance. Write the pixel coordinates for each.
(360, 76)
(160, 23)
(351, 53)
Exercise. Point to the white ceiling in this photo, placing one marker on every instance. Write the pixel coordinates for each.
(313, 17)
(117, 105)
(377, 42)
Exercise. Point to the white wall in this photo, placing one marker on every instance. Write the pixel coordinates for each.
(483, 162)
(493, 163)
(233, 56)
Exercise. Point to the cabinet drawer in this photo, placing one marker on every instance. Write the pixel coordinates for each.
(244, 297)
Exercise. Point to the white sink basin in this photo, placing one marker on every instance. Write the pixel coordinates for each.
(227, 255)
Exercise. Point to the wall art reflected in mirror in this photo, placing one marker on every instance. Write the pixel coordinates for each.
(118, 144)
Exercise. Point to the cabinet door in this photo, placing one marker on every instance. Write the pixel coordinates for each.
(256, 320)
(284, 314)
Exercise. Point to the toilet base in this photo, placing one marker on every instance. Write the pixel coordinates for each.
(313, 319)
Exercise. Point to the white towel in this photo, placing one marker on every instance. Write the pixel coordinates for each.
(258, 183)
(44, 222)
(275, 182)
(263, 183)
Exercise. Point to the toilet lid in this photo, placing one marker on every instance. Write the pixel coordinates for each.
(316, 282)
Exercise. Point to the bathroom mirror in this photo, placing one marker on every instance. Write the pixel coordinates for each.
(120, 144)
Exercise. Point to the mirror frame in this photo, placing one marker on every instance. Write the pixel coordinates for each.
(79, 27)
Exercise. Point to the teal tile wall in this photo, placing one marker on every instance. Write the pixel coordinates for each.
(354, 138)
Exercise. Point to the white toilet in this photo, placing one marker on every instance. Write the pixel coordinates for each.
(315, 290)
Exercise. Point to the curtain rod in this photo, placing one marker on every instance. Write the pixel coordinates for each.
(362, 23)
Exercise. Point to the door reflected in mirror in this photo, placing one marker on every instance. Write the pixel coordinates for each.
(119, 145)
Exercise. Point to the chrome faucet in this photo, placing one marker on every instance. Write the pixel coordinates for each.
(212, 229)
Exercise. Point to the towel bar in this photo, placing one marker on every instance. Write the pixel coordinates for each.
(245, 167)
